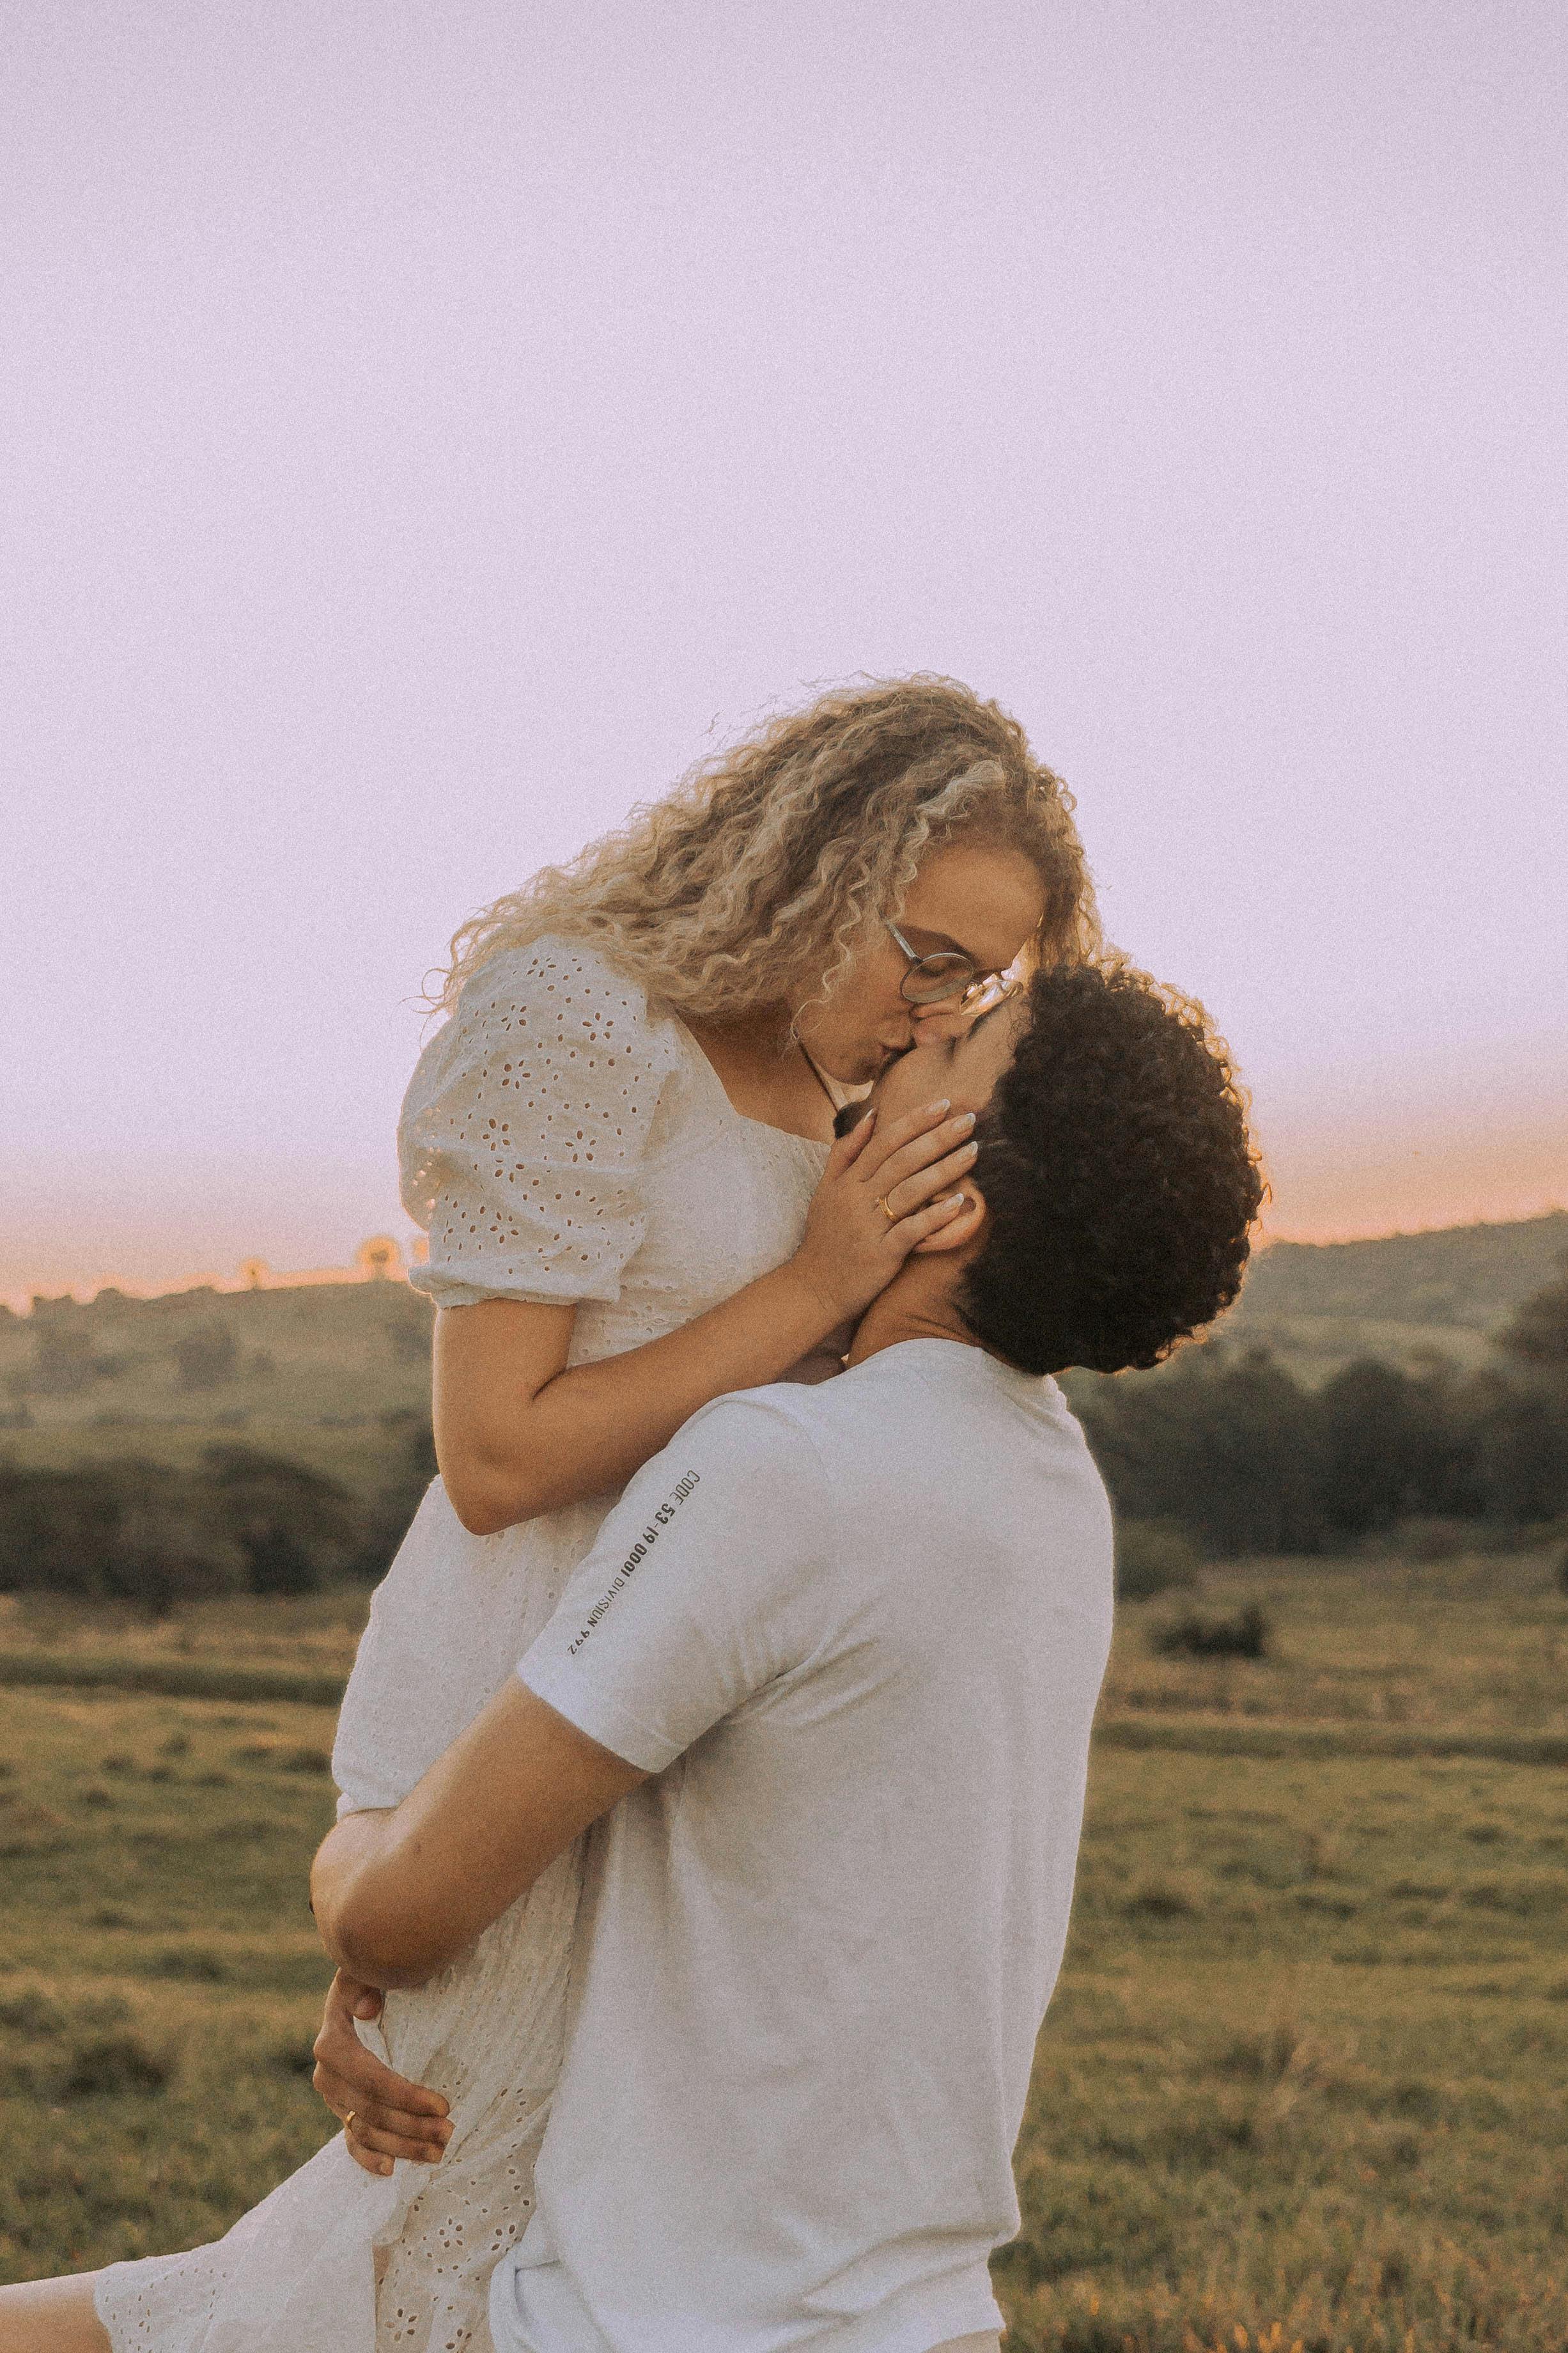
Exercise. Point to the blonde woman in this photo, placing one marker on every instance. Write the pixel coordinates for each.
(622, 1146)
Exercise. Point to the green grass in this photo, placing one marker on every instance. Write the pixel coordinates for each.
(1300, 2084)
(1302, 2073)
(1473, 1646)
(51, 1636)
(196, 1679)
(159, 1976)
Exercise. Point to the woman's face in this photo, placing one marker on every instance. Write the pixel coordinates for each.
(985, 903)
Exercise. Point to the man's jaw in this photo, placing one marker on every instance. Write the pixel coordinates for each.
(850, 1114)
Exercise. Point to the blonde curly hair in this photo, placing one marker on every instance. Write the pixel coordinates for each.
(752, 879)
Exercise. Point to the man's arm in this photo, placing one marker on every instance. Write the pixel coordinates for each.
(396, 1895)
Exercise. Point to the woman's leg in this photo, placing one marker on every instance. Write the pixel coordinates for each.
(51, 2316)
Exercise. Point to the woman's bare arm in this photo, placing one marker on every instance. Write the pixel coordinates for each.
(517, 1433)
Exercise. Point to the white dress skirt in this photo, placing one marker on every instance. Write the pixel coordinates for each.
(562, 1140)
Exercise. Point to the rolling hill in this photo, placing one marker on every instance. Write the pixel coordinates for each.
(1402, 1296)
(330, 1373)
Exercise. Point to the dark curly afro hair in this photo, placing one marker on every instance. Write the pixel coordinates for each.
(1119, 1176)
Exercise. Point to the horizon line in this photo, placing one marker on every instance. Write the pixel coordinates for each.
(384, 1258)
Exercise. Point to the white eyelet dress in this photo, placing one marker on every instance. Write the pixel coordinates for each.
(563, 1140)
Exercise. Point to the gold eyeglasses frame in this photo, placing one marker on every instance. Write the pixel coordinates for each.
(979, 993)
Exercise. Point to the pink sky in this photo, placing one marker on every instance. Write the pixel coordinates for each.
(424, 427)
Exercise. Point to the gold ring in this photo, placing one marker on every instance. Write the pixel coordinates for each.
(349, 2120)
(890, 1214)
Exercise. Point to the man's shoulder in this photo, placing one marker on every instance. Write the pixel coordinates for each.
(896, 1415)
(826, 1439)
(761, 1437)
(925, 1405)
(797, 1421)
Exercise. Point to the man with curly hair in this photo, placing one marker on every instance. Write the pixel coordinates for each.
(823, 1688)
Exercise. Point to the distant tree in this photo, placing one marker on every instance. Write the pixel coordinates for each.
(120, 1531)
(64, 1360)
(1389, 1444)
(296, 1528)
(1537, 1337)
(206, 1356)
(1224, 1445)
(409, 1342)
(1521, 1448)
(399, 1490)
(165, 1552)
(1520, 1411)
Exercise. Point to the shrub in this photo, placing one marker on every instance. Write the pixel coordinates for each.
(1193, 1636)
(112, 2065)
(1161, 1899)
(1152, 1557)
(32, 2013)
(189, 1962)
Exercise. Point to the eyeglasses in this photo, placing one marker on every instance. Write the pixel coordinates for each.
(949, 973)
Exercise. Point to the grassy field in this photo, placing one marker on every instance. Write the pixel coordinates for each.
(1302, 2082)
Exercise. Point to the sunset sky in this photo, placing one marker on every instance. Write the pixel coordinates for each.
(428, 428)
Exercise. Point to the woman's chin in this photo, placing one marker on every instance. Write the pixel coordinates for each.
(859, 1070)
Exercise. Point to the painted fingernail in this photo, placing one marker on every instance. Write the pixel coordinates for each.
(964, 1119)
(945, 1104)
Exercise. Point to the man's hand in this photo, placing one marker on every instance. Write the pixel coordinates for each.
(391, 2117)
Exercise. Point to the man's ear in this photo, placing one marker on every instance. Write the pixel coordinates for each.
(959, 1231)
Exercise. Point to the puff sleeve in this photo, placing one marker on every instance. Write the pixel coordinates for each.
(525, 1127)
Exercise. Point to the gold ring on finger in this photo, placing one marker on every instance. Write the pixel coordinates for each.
(890, 1214)
(349, 2120)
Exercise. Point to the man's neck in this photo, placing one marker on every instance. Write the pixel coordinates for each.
(918, 1304)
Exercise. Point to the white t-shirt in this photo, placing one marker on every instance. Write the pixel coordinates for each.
(858, 1632)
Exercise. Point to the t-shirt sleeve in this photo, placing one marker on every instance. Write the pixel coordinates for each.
(525, 1128)
(705, 1586)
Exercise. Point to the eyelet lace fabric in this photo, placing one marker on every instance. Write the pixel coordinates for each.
(525, 1125)
(561, 1139)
